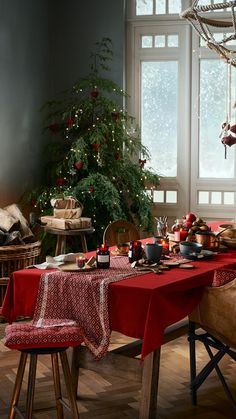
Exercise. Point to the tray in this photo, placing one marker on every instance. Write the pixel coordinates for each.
(72, 267)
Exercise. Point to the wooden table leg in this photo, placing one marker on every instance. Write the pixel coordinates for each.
(61, 245)
(83, 242)
(149, 390)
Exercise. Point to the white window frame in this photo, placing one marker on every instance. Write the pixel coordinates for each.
(187, 183)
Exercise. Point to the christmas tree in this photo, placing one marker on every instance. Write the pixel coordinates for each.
(98, 157)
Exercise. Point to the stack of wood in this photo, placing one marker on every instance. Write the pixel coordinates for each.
(14, 228)
(67, 213)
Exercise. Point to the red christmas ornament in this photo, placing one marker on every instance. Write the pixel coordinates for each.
(70, 122)
(79, 165)
(33, 201)
(96, 146)
(117, 156)
(115, 116)
(60, 181)
(54, 128)
(94, 93)
(230, 139)
(91, 189)
(142, 163)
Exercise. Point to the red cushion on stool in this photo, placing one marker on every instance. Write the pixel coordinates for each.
(23, 336)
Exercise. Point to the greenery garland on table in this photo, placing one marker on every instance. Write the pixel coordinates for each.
(96, 151)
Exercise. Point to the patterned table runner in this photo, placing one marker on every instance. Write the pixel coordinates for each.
(81, 298)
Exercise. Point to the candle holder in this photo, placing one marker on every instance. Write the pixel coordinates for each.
(165, 246)
(80, 261)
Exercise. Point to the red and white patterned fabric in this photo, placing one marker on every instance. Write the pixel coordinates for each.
(26, 336)
(76, 298)
(223, 276)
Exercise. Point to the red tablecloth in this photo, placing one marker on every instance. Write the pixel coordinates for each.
(140, 307)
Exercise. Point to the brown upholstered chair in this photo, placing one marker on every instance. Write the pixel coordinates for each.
(215, 315)
(120, 231)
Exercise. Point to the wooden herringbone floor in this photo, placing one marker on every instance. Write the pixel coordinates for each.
(104, 397)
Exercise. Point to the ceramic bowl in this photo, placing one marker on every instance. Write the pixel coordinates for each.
(187, 248)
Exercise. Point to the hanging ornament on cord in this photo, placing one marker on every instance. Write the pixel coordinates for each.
(225, 134)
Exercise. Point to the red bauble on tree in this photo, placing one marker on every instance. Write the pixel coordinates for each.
(94, 93)
(115, 116)
(142, 163)
(96, 147)
(70, 122)
(79, 165)
(117, 156)
(91, 189)
(60, 181)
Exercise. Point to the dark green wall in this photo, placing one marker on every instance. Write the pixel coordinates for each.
(44, 48)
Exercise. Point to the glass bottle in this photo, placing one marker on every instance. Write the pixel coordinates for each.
(135, 251)
(103, 257)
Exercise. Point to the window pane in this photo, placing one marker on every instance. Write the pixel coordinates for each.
(159, 84)
(146, 41)
(160, 7)
(158, 196)
(203, 197)
(172, 40)
(216, 198)
(228, 198)
(144, 7)
(160, 41)
(213, 110)
(171, 197)
(175, 6)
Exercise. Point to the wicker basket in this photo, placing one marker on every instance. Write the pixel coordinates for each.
(13, 258)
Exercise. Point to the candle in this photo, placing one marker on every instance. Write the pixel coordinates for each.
(165, 246)
(180, 235)
(80, 261)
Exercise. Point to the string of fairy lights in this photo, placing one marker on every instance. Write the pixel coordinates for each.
(75, 124)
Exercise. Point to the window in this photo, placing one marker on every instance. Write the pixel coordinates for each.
(180, 96)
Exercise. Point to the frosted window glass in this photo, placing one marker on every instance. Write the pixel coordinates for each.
(159, 92)
(159, 196)
(175, 6)
(228, 198)
(172, 40)
(203, 197)
(146, 41)
(144, 7)
(203, 3)
(213, 106)
(160, 7)
(171, 197)
(216, 197)
(160, 41)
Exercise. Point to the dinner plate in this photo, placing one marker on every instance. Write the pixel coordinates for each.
(72, 267)
(204, 254)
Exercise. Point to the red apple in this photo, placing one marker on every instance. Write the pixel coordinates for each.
(190, 217)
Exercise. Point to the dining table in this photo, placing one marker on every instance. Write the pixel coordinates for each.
(141, 306)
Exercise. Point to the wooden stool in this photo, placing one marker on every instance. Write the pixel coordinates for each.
(32, 341)
(62, 234)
